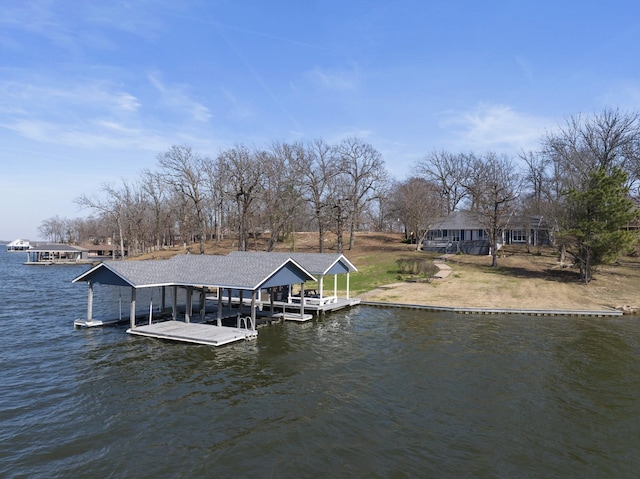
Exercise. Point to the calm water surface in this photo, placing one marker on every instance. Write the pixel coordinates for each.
(363, 393)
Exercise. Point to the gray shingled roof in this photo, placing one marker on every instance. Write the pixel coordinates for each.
(458, 220)
(195, 270)
(314, 263)
(57, 247)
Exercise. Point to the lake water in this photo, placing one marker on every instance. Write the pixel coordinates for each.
(368, 392)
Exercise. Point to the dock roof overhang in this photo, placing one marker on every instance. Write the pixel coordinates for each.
(199, 271)
(318, 264)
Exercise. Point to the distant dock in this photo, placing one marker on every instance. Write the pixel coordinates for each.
(54, 253)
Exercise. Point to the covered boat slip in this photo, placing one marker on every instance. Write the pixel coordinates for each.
(227, 281)
(319, 265)
(54, 253)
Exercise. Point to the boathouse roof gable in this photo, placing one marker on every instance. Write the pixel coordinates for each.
(315, 263)
(199, 270)
(137, 274)
(241, 272)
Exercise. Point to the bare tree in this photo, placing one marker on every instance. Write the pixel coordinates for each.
(542, 195)
(340, 203)
(53, 229)
(602, 141)
(182, 170)
(416, 202)
(217, 178)
(364, 172)
(157, 196)
(318, 169)
(282, 194)
(451, 171)
(113, 207)
(494, 186)
(381, 213)
(244, 172)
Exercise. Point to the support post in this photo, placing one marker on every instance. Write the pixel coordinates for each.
(302, 301)
(347, 285)
(174, 310)
(132, 309)
(203, 304)
(219, 318)
(271, 300)
(253, 310)
(187, 310)
(90, 304)
(320, 287)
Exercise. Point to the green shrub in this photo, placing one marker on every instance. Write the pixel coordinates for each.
(420, 267)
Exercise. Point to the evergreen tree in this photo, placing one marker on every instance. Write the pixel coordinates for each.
(598, 213)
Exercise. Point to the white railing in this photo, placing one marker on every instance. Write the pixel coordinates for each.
(321, 301)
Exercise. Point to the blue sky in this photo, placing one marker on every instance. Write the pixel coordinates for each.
(92, 91)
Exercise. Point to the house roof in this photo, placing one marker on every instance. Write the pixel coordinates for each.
(200, 270)
(316, 263)
(458, 220)
(468, 220)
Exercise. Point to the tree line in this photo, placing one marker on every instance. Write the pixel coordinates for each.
(580, 180)
(242, 192)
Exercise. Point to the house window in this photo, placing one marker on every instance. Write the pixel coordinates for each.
(434, 235)
(455, 235)
(518, 236)
(482, 234)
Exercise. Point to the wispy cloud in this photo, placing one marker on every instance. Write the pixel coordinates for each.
(97, 134)
(495, 127)
(176, 98)
(51, 100)
(91, 114)
(338, 80)
(64, 25)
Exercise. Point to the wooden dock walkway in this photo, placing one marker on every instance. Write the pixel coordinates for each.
(196, 333)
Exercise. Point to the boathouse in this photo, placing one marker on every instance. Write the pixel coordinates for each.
(56, 253)
(230, 277)
(320, 265)
(18, 245)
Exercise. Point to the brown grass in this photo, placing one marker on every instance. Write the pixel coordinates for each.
(523, 280)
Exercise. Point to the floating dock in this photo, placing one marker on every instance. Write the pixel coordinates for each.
(293, 317)
(195, 333)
